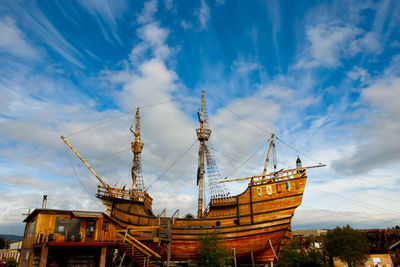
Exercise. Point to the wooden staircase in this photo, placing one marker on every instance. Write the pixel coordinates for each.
(131, 240)
(136, 250)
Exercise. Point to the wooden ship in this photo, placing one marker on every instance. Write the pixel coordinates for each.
(253, 224)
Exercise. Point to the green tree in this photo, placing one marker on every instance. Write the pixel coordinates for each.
(212, 253)
(3, 242)
(292, 255)
(11, 262)
(347, 244)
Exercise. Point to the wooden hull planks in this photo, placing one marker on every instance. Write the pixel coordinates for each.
(258, 244)
(245, 222)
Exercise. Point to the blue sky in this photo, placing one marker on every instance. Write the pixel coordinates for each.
(323, 75)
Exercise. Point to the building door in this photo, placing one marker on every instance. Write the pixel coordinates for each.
(90, 226)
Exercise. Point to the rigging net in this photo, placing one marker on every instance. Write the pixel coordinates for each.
(215, 188)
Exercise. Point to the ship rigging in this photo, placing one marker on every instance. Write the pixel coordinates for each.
(253, 222)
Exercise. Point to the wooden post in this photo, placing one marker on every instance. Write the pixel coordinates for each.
(251, 204)
(169, 253)
(252, 258)
(272, 247)
(103, 257)
(122, 260)
(234, 256)
(43, 256)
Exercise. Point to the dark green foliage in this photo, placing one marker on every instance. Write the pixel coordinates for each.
(212, 253)
(11, 262)
(347, 244)
(12, 238)
(3, 243)
(292, 255)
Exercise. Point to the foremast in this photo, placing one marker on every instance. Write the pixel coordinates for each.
(137, 147)
(202, 135)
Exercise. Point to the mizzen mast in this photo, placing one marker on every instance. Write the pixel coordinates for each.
(202, 135)
(137, 146)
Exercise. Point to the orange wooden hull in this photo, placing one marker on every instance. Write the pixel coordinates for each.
(248, 222)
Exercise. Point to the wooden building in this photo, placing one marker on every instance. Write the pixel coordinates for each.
(77, 238)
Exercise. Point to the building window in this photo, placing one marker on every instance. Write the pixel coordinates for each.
(105, 226)
(60, 229)
(90, 227)
(31, 228)
(63, 225)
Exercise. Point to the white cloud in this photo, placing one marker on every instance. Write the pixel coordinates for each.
(186, 25)
(244, 68)
(328, 43)
(334, 34)
(148, 12)
(169, 4)
(153, 39)
(203, 14)
(105, 12)
(13, 40)
(377, 137)
(358, 73)
(37, 23)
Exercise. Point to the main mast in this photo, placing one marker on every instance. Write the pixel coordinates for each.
(202, 135)
(137, 147)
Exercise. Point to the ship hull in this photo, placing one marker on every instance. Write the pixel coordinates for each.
(252, 223)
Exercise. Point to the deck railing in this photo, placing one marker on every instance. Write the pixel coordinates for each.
(66, 237)
(223, 201)
(120, 193)
(278, 176)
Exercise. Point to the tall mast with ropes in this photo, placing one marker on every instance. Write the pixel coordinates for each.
(202, 135)
(137, 146)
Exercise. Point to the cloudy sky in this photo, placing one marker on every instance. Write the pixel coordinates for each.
(323, 75)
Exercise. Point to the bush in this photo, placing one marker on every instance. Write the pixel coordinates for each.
(212, 254)
(11, 262)
(292, 255)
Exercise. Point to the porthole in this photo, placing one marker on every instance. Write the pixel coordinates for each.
(218, 223)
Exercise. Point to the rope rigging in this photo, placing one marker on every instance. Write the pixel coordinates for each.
(165, 171)
(125, 114)
(215, 188)
(259, 128)
(79, 180)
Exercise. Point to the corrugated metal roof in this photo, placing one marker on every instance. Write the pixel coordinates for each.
(87, 214)
(75, 213)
